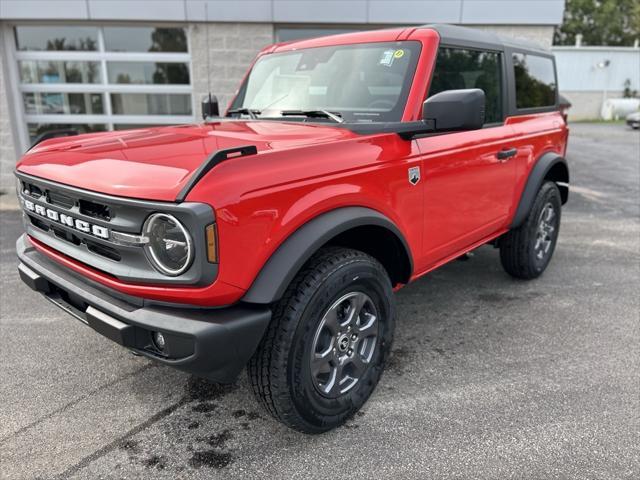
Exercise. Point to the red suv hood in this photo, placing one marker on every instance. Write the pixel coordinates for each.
(155, 163)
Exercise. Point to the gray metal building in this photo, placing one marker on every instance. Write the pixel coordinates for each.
(114, 64)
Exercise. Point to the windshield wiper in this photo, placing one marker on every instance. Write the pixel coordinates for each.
(253, 113)
(313, 114)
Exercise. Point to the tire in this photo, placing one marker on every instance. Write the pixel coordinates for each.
(526, 251)
(334, 283)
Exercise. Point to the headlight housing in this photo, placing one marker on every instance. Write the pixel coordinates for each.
(169, 247)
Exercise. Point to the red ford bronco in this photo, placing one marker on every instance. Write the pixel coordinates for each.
(274, 236)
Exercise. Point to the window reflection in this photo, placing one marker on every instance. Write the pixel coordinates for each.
(150, 104)
(58, 38)
(36, 129)
(535, 81)
(148, 73)
(63, 103)
(42, 71)
(145, 39)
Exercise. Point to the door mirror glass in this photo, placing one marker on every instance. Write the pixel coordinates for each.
(455, 110)
(210, 107)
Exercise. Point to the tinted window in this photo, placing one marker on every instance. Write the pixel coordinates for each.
(458, 69)
(144, 39)
(535, 81)
(56, 38)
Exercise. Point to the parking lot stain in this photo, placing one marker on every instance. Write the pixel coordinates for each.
(155, 461)
(218, 440)
(205, 407)
(239, 413)
(199, 389)
(130, 445)
(211, 459)
(398, 360)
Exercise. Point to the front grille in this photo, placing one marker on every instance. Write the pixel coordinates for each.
(80, 224)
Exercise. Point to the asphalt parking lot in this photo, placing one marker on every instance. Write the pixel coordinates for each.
(490, 377)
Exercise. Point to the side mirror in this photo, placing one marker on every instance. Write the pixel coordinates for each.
(455, 110)
(210, 107)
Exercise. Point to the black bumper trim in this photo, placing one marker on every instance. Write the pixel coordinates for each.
(211, 343)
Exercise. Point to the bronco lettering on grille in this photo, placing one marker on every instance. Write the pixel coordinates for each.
(64, 219)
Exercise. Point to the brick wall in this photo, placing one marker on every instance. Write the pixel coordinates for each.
(7, 146)
(540, 34)
(221, 54)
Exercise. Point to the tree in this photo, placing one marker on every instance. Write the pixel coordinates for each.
(601, 22)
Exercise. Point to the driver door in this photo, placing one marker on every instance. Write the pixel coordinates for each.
(469, 176)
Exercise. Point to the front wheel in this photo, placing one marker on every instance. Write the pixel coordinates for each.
(326, 346)
(526, 251)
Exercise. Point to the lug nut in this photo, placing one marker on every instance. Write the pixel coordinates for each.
(354, 336)
(350, 352)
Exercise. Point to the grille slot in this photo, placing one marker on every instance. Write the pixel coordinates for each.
(102, 250)
(94, 210)
(67, 236)
(59, 199)
(34, 190)
(36, 222)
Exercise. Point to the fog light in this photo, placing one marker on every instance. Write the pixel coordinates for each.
(158, 340)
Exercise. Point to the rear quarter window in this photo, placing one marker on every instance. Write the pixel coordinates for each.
(535, 80)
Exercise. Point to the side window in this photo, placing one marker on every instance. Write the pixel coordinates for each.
(457, 68)
(535, 81)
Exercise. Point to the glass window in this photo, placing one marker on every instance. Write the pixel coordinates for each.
(459, 69)
(69, 103)
(364, 82)
(150, 104)
(148, 73)
(56, 38)
(36, 129)
(145, 39)
(44, 71)
(535, 81)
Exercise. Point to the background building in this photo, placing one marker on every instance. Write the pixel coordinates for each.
(589, 75)
(115, 64)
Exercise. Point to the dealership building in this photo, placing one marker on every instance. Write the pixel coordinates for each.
(95, 65)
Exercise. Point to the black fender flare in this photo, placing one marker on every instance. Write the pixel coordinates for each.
(539, 172)
(278, 272)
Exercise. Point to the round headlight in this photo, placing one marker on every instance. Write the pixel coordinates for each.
(169, 248)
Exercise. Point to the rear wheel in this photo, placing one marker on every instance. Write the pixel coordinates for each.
(328, 341)
(526, 251)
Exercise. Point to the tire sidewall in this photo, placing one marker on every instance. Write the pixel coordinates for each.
(548, 193)
(357, 275)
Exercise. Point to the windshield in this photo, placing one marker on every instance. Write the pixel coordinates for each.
(366, 82)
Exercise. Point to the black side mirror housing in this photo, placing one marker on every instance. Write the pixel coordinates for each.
(210, 107)
(455, 110)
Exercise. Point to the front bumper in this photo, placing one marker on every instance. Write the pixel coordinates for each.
(211, 343)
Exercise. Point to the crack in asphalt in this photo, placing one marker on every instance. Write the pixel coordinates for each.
(73, 403)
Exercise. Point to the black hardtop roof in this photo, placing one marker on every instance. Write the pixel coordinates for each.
(463, 36)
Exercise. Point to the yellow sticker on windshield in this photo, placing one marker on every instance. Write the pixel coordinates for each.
(398, 53)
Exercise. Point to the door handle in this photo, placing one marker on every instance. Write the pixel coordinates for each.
(507, 153)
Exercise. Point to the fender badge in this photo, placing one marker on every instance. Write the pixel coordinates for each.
(414, 175)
